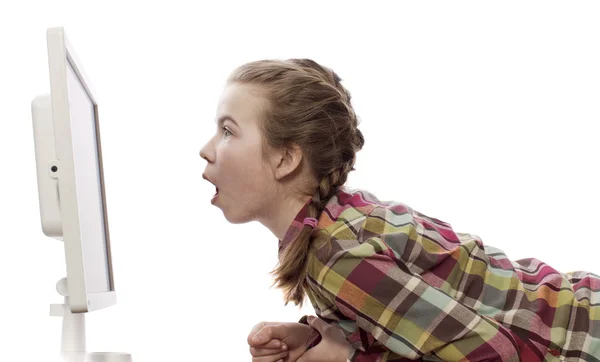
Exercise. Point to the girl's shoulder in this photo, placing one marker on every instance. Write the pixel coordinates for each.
(349, 217)
(352, 209)
(354, 216)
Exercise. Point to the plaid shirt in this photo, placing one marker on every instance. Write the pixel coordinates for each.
(404, 286)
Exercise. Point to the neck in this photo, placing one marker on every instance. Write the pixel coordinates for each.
(283, 211)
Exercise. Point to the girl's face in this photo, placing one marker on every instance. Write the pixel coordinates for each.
(246, 185)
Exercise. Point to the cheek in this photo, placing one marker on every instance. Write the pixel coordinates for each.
(245, 171)
(253, 176)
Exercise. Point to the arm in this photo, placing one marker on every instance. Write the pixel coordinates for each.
(376, 354)
(371, 284)
(408, 316)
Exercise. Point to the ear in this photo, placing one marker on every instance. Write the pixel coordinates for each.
(287, 160)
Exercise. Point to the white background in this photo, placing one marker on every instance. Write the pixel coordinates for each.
(492, 109)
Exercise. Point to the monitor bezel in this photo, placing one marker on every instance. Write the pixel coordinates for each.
(60, 51)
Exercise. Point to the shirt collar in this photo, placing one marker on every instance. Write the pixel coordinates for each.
(295, 227)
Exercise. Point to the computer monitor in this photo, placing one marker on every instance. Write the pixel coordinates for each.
(70, 177)
(72, 198)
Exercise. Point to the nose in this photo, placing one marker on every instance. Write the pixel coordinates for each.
(207, 153)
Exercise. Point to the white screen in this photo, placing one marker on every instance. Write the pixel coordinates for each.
(87, 181)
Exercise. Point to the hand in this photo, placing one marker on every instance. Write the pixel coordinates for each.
(272, 341)
(271, 351)
(334, 347)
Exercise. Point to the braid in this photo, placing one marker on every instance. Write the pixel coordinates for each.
(310, 107)
(339, 176)
(357, 136)
(322, 193)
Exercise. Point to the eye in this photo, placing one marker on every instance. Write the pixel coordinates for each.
(225, 130)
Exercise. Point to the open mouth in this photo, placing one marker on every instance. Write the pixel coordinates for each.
(215, 196)
(216, 188)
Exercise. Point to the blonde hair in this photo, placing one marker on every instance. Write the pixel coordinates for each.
(309, 107)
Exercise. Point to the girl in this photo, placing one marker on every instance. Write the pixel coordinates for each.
(394, 283)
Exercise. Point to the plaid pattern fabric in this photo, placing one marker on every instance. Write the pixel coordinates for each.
(404, 286)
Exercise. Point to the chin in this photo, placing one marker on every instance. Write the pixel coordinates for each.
(236, 218)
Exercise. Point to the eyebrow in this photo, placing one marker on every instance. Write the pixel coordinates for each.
(222, 119)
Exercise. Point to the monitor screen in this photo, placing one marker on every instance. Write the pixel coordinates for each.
(88, 182)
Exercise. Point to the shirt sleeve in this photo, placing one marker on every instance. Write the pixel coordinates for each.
(374, 355)
(370, 284)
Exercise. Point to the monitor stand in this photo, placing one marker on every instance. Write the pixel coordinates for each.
(72, 346)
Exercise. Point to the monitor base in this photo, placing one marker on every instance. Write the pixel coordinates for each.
(73, 341)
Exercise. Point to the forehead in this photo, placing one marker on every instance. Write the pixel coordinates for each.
(243, 102)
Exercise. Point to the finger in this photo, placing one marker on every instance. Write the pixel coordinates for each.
(274, 344)
(255, 330)
(272, 358)
(318, 324)
(258, 352)
(267, 333)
